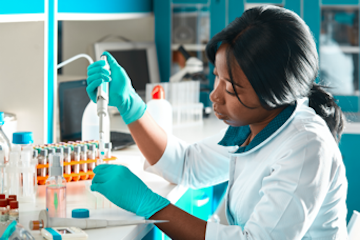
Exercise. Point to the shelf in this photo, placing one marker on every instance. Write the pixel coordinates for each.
(189, 47)
(99, 16)
(344, 49)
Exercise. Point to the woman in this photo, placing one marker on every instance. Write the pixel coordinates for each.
(279, 153)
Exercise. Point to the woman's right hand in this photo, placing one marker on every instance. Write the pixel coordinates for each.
(121, 93)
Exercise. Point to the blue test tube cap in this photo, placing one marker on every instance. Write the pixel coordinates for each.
(80, 213)
(23, 137)
(1, 118)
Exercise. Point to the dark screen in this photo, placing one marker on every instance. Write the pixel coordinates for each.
(73, 99)
(135, 64)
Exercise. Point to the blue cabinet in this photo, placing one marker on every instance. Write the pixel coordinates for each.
(22, 7)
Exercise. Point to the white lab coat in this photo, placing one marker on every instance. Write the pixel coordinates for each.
(290, 186)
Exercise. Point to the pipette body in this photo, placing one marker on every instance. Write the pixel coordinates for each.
(102, 104)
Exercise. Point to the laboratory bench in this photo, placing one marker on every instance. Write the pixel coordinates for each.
(80, 196)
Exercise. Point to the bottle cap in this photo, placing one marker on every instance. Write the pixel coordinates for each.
(158, 92)
(108, 145)
(67, 150)
(83, 148)
(56, 165)
(59, 150)
(92, 147)
(1, 118)
(13, 197)
(36, 225)
(14, 204)
(43, 152)
(80, 213)
(2, 196)
(3, 203)
(23, 137)
(35, 153)
(77, 149)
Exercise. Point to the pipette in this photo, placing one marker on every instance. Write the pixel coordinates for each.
(102, 104)
(45, 221)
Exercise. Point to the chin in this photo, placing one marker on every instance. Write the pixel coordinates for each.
(232, 123)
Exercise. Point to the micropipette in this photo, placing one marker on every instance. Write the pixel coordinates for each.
(102, 104)
(45, 221)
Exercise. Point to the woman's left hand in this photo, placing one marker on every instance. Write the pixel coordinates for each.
(123, 188)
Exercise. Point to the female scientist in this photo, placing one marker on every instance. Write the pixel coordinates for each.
(279, 153)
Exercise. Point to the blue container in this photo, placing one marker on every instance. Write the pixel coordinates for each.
(1, 118)
(23, 138)
(80, 213)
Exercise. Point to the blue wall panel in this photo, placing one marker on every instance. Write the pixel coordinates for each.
(339, 2)
(294, 5)
(265, 1)
(162, 12)
(349, 146)
(104, 6)
(236, 9)
(312, 18)
(21, 6)
(348, 103)
(190, 1)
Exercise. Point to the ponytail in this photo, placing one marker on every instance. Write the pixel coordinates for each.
(325, 106)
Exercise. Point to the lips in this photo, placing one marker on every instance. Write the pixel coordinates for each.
(220, 116)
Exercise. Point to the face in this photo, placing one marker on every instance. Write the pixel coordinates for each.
(226, 105)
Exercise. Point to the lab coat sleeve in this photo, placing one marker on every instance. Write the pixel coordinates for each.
(197, 165)
(292, 193)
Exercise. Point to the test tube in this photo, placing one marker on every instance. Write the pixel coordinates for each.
(67, 158)
(83, 157)
(76, 167)
(108, 147)
(42, 159)
(91, 154)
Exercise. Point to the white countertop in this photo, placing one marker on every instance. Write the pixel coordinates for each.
(79, 195)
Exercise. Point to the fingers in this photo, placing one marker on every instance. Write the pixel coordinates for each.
(103, 168)
(111, 60)
(98, 70)
(100, 178)
(92, 89)
(97, 187)
(100, 63)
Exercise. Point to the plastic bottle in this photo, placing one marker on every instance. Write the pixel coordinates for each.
(14, 211)
(13, 174)
(67, 158)
(76, 167)
(90, 124)
(91, 155)
(160, 109)
(4, 141)
(83, 157)
(27, 171)
(23, 139)
(56, 188)
(108, 147)
(42, 159)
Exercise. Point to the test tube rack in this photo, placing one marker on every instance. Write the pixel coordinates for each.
(73, 176)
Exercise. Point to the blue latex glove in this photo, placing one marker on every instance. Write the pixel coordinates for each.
(123, 188)
(121, 93)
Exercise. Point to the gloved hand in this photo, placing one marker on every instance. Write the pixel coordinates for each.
(121, 93)
(123, 188)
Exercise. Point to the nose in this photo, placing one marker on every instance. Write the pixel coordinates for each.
(216, 95)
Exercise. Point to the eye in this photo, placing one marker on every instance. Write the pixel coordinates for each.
(231, 93)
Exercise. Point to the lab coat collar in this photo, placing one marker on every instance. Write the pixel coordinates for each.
(236, 136)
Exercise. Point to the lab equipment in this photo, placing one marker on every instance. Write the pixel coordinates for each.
(102, 101)
(80, 213)
(14, 211)
(23, 139)
(42, 159)
(12, 173)
(27, 172)
(132, 194)
(91, 154)
(63, 233)
(184, 98)
(160, 109)
(56, 188)
(4, 212)
(121, 94)
(46, 221)
(14, 231)
(67, 158)
(83, 157)
(108, 147)
(76, 167)
(2, 171)
(4, 140)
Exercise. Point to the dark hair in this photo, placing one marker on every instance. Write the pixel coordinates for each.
(276, 51)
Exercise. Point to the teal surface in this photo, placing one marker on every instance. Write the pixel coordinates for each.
(265, 1)
(104, 6)
(22, 6)
(236, 9)
(162, 12)
(348, 103)
(340, 2)
(294, 5)
(51, 67)
(312, 18)
(349, 146)
(190, 1)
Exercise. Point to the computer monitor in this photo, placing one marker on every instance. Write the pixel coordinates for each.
(139, 59)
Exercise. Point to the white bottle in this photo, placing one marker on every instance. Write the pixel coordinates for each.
(90, 124)
(160, 109)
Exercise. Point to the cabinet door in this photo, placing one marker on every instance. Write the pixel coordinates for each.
(22, 7)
